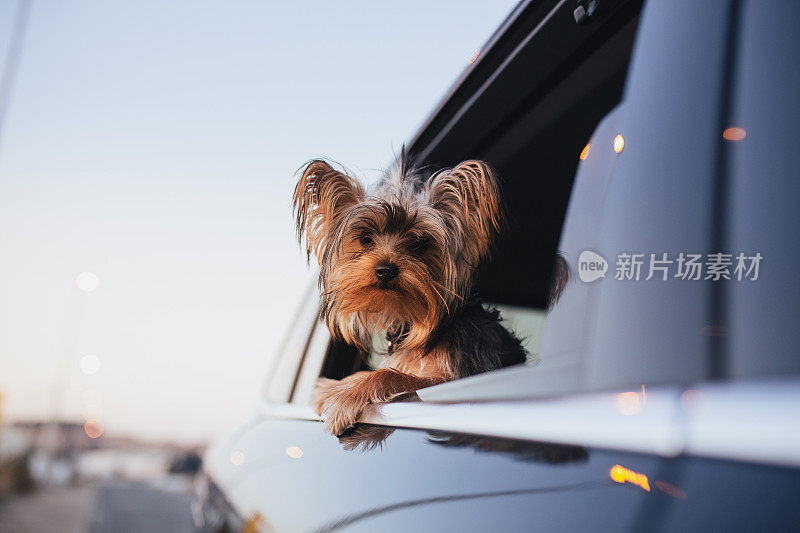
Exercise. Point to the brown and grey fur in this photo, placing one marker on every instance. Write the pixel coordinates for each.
(430, 234)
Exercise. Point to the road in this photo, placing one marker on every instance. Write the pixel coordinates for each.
(52, 510)
(109, 506)
(135, 507)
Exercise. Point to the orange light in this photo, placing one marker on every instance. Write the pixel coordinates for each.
(475, 57)
(585, 151)
(93, 429)
(620, 474)
(619, 143)
(256, 523)
(734, 134)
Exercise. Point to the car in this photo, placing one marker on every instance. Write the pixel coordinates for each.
(639, 140)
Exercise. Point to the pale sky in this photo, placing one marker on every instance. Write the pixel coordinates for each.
(155, 144)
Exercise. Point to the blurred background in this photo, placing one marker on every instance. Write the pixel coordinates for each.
(148, 262)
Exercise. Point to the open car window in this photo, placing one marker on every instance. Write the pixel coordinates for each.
(551, 103)
(527, 323)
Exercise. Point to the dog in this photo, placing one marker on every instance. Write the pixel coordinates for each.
(401, 262)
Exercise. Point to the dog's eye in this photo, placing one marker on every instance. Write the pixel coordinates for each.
(419, 245)
(365, 240)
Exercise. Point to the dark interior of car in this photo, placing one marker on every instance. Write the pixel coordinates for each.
(536, 152)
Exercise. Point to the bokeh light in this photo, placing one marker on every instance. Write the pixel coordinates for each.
(734, 134)
(619, 143)
(90, 364)
(691, 399)
(93, 428)
(671, 489)
(295, 452)
(620, 474)
(629, 403)
(237, 458)
(87, 281)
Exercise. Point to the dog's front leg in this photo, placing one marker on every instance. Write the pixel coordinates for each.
(340, 403)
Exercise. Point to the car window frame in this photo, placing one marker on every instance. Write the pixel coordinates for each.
(281, 380)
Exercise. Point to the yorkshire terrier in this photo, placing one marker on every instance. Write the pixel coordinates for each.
(400, 262)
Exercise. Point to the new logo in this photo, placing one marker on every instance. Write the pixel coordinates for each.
(591, 266)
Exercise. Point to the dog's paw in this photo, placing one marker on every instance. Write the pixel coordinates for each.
(323, 390)
(338, 404)
(340, 413)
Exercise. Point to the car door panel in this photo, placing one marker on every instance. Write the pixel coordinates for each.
(288, 475)
(294, 477)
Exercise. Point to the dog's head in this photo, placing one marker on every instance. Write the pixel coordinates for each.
(402, 258)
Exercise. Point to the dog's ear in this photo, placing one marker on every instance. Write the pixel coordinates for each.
(469, 197)
(558, 283)
(321, 197)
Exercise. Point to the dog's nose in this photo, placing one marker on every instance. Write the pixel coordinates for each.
(386, 272)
